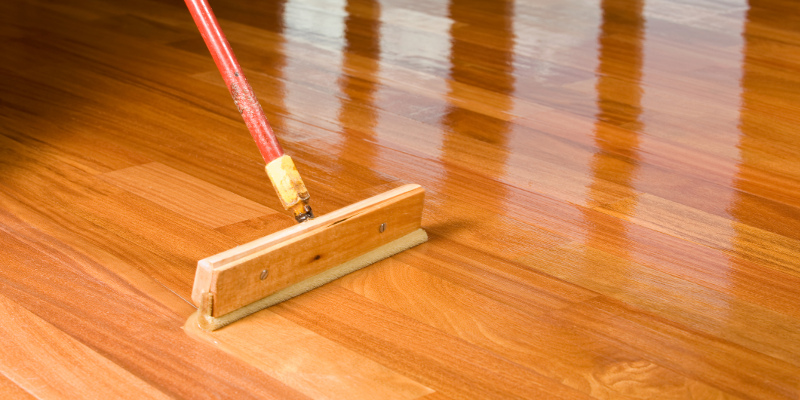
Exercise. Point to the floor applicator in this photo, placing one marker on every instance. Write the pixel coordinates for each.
(238, 282)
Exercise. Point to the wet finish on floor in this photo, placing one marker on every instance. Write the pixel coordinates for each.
(612, 198)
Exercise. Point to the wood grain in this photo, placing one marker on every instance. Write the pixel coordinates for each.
(612, 198)
(11, 390)
(427, 355)
(701, 308)
(318, 367)
(39, 352)
(186, 195)
(559, 354)
(717, 362)
(71, 291)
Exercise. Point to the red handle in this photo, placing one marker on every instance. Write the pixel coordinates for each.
(234, 78)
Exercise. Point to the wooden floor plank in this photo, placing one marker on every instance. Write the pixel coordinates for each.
(674, 299)
(11, 390)
(437, 360)
(186, 195)
(612, 197)
(318, 367)
(691, 224)
(682, 349)
(70, 292)
(52, 365)
(548, 349)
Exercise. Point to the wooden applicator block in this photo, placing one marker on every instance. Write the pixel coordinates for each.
(250, 277)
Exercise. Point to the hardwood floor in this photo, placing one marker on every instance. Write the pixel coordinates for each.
(612, 198)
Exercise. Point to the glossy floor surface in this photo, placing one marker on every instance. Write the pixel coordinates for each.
(613, 197)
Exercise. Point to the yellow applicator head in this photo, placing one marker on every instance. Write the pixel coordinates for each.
(236, 283)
